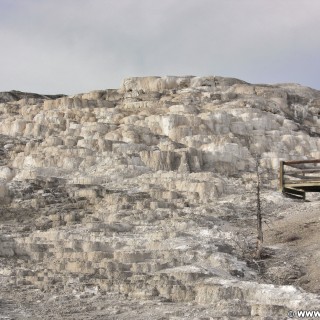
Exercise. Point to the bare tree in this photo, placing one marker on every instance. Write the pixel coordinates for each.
(259, 213)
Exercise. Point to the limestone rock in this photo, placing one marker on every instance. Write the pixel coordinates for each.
(145, 191)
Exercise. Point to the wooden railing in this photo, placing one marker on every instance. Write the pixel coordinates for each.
(298, 177)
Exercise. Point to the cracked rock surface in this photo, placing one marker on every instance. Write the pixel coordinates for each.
(139, 202)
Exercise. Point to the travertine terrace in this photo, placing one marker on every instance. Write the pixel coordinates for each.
(147, 192)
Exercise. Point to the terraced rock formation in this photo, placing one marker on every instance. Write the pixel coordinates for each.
(148, 192)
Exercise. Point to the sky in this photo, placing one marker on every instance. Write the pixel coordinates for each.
(74, 46)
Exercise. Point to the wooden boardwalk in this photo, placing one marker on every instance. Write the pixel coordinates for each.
(298, 177)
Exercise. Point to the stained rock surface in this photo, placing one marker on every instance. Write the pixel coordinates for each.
(139, 202)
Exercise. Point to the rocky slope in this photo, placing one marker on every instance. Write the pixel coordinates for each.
(148, 192)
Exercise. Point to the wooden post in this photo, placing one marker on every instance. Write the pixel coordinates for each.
(281, 175)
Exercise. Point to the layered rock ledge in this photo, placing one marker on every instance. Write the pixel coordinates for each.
(148, 191)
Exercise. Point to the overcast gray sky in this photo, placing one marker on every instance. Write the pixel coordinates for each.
(73, 46)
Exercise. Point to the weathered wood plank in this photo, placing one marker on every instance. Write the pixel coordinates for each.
(293, 196)
(300, 176)
(302, 171)
(294, 193)
(302, 183)
(297, 166)
(301, 162)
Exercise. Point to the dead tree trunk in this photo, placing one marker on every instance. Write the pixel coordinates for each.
(259, 214)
